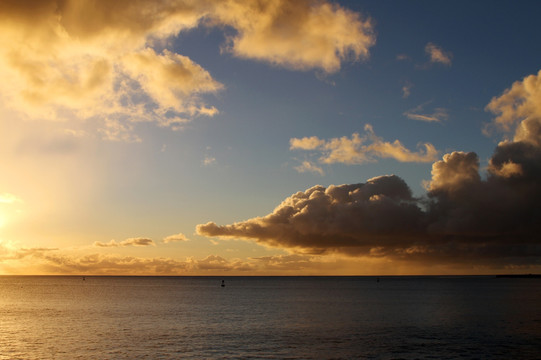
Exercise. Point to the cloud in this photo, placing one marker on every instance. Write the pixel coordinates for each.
(7, 198)
(518, 110)
(215, 262)
(465, 218)
(438, 55)
(94, 60)
(175, 238)
(127, 242)
(403, 57)
(406, 90)
(439, 114)
(306, 143)
(111, 62)
(299, 35)
(294, 262)
(358, 150)
(97, 264)
(8, 253)
(321, 220)
(55, 261)
(209, 160)
(456, 168)
(307, 166)
(171, 81)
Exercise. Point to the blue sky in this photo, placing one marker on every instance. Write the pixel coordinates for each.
(97, 174)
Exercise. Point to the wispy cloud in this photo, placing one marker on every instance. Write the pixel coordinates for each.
(55, 261)
(8, 198)
(403, 57)
(307, 166)
(438, 115)
(406, 90)
(208, 160)
(438, 55)
(128, 242)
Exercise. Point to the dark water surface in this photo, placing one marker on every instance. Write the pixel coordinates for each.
(269, 317)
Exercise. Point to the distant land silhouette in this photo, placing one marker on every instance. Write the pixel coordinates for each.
(536, 276)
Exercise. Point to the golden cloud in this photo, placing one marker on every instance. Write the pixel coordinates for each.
(171, 80)
(455, 168)
(358, 150)
(98, 59)
(128, 242)
(175, 238)
(296, 34)
(55, 261)
(518, 110)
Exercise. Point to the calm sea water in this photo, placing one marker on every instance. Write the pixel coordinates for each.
(269, 317)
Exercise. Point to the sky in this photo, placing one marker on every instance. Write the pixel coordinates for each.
(270, 137)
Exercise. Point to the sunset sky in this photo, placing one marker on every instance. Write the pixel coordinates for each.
(273, 137)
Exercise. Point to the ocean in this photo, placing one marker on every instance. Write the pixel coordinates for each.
(474, 317)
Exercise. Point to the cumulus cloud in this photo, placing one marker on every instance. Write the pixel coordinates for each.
(456, 168)
(462, 219)
(296, 34)
(518, 110)
(438, 55)
(128, 242)
(465, 218)
(361, 149)
(109, 62)
(175, 238)
(334, 218)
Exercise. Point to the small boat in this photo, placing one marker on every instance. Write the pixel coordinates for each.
(223, 283)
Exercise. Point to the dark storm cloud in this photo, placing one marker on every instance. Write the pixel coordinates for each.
(345, 218)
